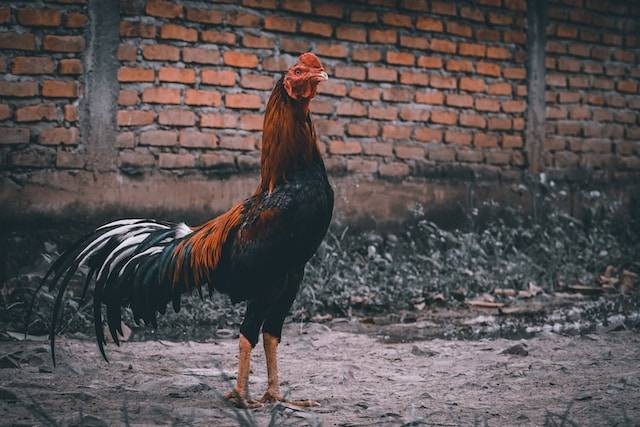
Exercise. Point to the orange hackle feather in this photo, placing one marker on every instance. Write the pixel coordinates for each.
(286, 147)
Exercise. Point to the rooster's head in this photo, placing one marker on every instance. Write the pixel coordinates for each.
(301, 80)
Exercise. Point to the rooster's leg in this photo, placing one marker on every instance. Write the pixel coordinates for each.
(271, 333)
(249, 331)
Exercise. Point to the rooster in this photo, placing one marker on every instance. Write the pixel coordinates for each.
(255, 252)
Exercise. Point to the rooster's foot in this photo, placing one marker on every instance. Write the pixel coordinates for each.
(271, 396)
(242, 401)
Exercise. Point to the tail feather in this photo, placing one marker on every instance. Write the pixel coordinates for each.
(125, 260)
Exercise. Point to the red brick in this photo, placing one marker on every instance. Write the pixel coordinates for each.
(627, 86)
(76, 20)
(280, 23)
(393, 169)
(132, 159)
(301, 6)
(330, 10)
(430, 97)
(35, 113)
(400, 58)
(160, 52)
(428, 135)
(472, 14)
(19, 41)
(128, 97)
(32, 65)
(483, 140)
(470, 156)
(498, 53)
(5, 111)
(512, 141)
(240, 59)
(383, 113)
(429, 62)
(176, 161)
(458, 138)
(243, 19)
(472, 49)
(257, 42)
(177, 75)
(69, 160)
(217, 161)
(397, 19)
(396, 131)
(315, 28)
(294, 45)
(377, 149)
(409, 152)
(32, 158)
(414, 78)
(472, 85)
(218, 37)
(160, 95)
(332, 88)
(459, 65)
(71, 113)
(125, 140)
(352, 73)
(243, 100)
(458, 29)
(332, 50)
(473, 120)
(487, 34)
(63, 43)
(218, 78)
(321, 106)
(18, 89)
(444, 117)
(59, 136)
(178, 32)
(429, 24)
(344, 147)
(363, 128)
(163, 9)
(251, 121)
(275, 63)
(499, 89)
(443, 8)
(441, 82)
(513, 106)
(329, 127)
(414, 42)
(443, 46)
(14, 135)
(127, 52)
(59, 89)
(457, 100)
(351, 33)
(515, 73)
(244, 143)
(219, 120)
(209, 98)
(365, 93)
(382, 74)
(383, 36)
(350, 108)
(362, 166)
(257, 81)
(177, 117)
(5, 14)
(487, 104)
(70, 67)
(194, 139)
(200, 55)
(161, 138)
(397, 94)
(366, 55)
(134, 118)
(39, 17)
(488, 69)
(135, 74)
(364, 16)
(137, 29)
(499, 123)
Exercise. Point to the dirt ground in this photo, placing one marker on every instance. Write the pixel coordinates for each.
(360, 371)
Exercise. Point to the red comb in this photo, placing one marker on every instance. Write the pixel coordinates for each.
(310, 60)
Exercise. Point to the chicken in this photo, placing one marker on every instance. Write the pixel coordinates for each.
(255, 252)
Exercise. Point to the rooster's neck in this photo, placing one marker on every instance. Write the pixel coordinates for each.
(288, 140)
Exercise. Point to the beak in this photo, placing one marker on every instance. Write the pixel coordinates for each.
(324, 76)
(320, 77)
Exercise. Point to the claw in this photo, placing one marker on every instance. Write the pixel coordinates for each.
(271, 396)
(242, 402)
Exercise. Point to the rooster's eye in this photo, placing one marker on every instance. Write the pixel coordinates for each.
(297, 72)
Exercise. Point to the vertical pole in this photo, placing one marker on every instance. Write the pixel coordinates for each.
(534, 134)
(98, 121)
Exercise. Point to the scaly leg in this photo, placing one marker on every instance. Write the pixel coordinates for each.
(240, 394)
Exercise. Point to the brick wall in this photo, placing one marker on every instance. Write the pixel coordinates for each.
(40, 51)
(593, 102)
(418, 89)
(411, 87)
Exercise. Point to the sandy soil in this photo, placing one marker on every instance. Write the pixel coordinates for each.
(358, 379)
